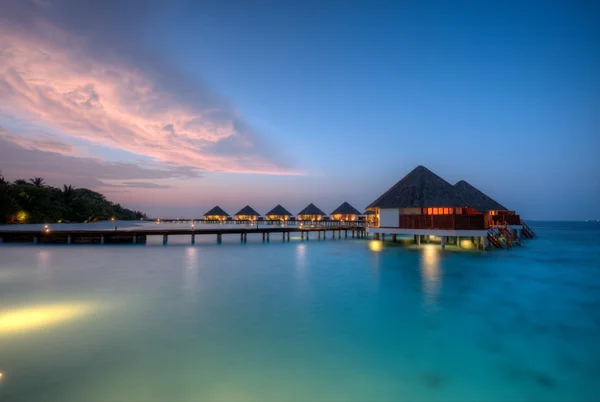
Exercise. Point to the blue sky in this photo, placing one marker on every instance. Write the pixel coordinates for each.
(298, 102)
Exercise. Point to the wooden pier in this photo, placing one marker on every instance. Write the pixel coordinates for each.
(139, 236)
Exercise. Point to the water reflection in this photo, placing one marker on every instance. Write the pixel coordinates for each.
(431, 276)
(375, 245)
(44, 265)
(190, 272)
(25, 319)
(301, 267)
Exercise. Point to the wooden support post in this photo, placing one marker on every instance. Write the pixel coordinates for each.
(443, 241)
(35, 240)
(458, 241)
(193, 239)
(319, 236)
(353, 233)
(69, 239)
(324, 234)
(307, 236)
(427, 239)
(165, 239)
(383, 237)
(346, 233)
(339, 233)
(302, 235)
(486, 243)
(219, 238)
(241, 237)
(263, 233)
(394, 238)
(101, 239)
(268, 236)
(418, 240)
(288, 236)
(282, 236)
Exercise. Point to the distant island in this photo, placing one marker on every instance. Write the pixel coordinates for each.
(32, 201)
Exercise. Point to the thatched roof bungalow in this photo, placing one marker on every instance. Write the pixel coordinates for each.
(216, 214)
(419, 193)
(345, 212)
(246, 214)
(311, 212)
(278, 213)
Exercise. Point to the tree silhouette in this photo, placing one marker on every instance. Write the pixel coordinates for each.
(38, 181)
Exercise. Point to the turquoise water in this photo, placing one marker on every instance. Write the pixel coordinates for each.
(334, 320)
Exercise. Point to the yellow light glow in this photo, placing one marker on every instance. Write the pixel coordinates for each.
(466, 244)
(25, 319)
(112, 219)
(375, 245)
(1, 375)
(47, 230)
(431, 275)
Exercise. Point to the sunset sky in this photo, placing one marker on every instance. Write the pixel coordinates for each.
(173, 107)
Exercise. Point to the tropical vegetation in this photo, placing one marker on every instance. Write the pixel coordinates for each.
(33, 201)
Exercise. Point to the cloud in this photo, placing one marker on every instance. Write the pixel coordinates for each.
(84, 88)
(17, 161)
(39, 141)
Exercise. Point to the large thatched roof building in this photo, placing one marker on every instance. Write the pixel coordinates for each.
(311, 212)
(345, 212)
(247, 214)
(216, 214)
(278, 213)
(421, 188)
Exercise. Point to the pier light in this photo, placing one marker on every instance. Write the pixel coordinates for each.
(45, 226)
(47, 230)
(1, 375)
(112, 218)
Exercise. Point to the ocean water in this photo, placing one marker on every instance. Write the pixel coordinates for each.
(329, 320)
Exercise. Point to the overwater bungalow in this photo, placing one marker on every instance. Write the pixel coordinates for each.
(423, 204)
(278, 213)
(345, 212)
(246, 214)
(311, 212)
(216, 214)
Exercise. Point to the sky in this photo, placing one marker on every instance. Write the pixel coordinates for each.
(174, 107)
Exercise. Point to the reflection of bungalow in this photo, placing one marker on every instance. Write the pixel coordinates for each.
(246, 214)
(424, 204)
(216, 214)
(278, 213)
(494, 213)
(345, 212)
(311, 212)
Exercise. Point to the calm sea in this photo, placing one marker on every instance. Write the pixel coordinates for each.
(333, 320)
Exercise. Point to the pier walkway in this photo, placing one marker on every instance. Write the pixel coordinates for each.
(133, 235)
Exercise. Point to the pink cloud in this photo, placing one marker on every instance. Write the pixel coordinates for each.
(49, 76)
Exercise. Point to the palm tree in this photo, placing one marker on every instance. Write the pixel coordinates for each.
(22, 182)
(2, 180)
(68, 194)
(38, 181)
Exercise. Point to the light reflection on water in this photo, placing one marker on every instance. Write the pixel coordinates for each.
(431, 275)
(233, 322)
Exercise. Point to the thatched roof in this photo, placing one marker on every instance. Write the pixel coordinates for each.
(216, 211)
(279, 210)
(474, 198)
(247, 210)
(311, 209)
(421, 188)
(346, 209)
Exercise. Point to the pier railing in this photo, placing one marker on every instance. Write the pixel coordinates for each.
(511, 219)
(279, 223)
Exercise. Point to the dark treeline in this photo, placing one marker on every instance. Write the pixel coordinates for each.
(32, 201)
